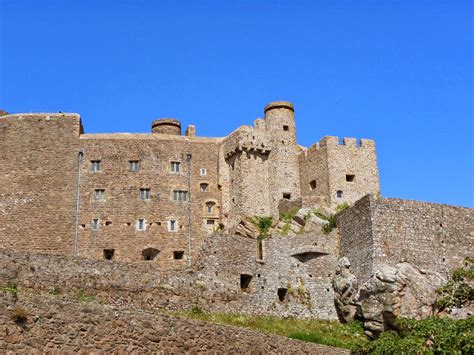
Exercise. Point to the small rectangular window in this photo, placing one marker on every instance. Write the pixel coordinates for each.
(180, 195)
(204, 187)
(339, 193)
(286, 128)
(287, 196)
(172, 225)
(145, 194)
(99, 194)
(175, 166)
(178, 254)
(141, 225)
(95, 224)
(312, 184)
(202, 172)
(134, 165)
(95, 166)
(210, 222)
(350, 177)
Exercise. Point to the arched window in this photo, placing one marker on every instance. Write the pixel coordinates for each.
(149, 253)
(210, 207)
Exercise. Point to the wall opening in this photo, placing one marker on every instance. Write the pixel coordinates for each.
(282, 292)
(312, 184)
(339, 193)
(286, 128)
(287, 196)
(260, 250)
(245, 282)
(109, 254)
(350, 177)
(178, 254)
(149, 253)
(204, 187)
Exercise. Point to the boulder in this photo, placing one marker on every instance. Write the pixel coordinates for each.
(393, 292)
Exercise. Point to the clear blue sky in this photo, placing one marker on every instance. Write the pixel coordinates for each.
(399, 72)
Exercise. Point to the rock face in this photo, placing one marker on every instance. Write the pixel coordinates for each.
(345, 285)
(392, 292)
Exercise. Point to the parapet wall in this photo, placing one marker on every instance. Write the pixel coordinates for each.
(378, 231)
(56, 325)
(339, 170)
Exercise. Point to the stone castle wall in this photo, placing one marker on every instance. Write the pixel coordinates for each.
(381, 231)
(122, 206)
(329, 167)
(58, 325)
(38, 169)
(52, 199)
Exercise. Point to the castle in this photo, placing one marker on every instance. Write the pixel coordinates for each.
(157, 196)
(164, 221)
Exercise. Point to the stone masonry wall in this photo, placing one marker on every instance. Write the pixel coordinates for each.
(38, 170)
(302, 265)
(54, 324)
(389, 231)
(122, 206)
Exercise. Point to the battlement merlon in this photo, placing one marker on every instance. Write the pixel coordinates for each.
(246, 138)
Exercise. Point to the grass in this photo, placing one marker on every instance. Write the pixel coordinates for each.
(346, 336)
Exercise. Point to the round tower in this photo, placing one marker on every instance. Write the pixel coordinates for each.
(283, 159)
(280, 120)
(166, 126)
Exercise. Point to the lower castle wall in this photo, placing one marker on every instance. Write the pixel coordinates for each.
(55, 325)
(303, 265)
(429, 236)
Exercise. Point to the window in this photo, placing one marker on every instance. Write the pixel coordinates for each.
(141, 225)
(109, 254)
(210, 222)
(312, 184)
(339, 193)
(204, 187)
(245, 282)
(286, 128)
(99, 194)
(282, 293)
(172, 225)
(149, 254)
(180, 195)
(145, 194)
(259, 250)
(95, 166)
(202, 172)
(210, 207)
(287, 196)
(350, 178)
(178, 254)
(134, 165)
(95, 224)
(175, 166)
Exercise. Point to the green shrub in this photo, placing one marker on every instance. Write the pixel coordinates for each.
(433, 335)
(457, 291)
(83, 297)
(11, 287)
(288, 216)
(264, 224)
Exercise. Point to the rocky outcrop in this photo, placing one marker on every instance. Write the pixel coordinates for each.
(393, 292)
(345, 287)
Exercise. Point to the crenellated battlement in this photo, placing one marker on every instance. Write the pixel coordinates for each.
(247, 138)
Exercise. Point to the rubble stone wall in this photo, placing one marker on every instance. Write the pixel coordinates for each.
(53, 324)
(387, 231)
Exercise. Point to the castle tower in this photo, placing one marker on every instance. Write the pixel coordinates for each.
(283, 159)
(166, 126)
